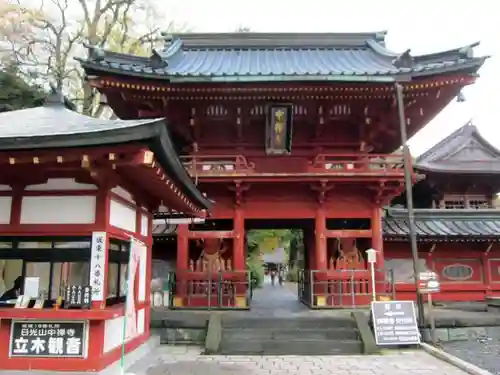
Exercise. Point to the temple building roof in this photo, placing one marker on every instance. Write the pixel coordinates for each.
(54, 126)
(448, 225)
(464, 151)
(261, 57)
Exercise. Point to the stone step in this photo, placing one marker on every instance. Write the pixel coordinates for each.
(293, 323)
(291, 347)
(285, 333)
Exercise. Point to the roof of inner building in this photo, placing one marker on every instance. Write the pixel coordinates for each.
(265, 57)
(440, 223)
(464, 151)
(53, 125)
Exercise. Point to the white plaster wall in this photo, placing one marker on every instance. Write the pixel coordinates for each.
(113, 333)
(5, 188)
(141, 321)
(122, 216)
(60, 184)
(5, 208)
(144, 225)
(121, 192)
(58, 210)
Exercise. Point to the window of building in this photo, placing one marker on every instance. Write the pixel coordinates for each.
(45, 259)
(457, 272)
(454, 204)
(117, 271)
(479, 204)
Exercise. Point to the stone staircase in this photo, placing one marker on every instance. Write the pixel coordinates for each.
(290, 336)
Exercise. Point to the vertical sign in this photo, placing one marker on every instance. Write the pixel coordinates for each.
(97, 265)
(395, 323)
(279, 129)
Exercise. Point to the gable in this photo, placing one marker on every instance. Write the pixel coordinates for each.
(473, 151)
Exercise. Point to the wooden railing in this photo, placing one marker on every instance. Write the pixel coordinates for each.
(217, 164)
(220, 165)
(357, 163)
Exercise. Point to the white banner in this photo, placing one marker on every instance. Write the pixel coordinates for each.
(98, 265)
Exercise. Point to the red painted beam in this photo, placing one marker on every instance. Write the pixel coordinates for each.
(365, 233)
(211, 234)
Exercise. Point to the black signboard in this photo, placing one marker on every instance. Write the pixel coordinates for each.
(395, 323)
(77, 296)
(48, 339)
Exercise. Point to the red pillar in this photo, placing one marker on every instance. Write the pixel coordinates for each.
(182, 264)
(320, 251)
(239, 263)
(182, 247)
(378, 245)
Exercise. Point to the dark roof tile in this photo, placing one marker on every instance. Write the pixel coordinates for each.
(259, 56)
(463, 151)
(435, 223)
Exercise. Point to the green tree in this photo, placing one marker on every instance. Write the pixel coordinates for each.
(17, 93)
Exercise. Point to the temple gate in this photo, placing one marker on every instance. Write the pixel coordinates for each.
(284, 126)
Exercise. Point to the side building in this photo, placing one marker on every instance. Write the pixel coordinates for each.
(458, 225)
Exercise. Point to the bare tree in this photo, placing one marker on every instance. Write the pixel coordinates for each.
(59, 28)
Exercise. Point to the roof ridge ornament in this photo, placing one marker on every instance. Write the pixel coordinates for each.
(158, 60)
(95, 53)
(404, 60)
(57, 99)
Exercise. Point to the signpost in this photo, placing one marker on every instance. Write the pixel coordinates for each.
(428, 283)
(48, 339)
(372, 259)
(395, 323)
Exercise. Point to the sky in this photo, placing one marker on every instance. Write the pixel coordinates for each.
(424, 26)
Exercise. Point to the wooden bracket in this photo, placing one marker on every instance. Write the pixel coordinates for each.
(239, 188)
(322, 188)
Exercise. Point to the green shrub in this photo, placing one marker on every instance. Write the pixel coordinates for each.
(292, 275)
(256, 268)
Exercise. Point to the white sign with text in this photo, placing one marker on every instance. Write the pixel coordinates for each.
(97, 265)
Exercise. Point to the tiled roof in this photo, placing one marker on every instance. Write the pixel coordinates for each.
(463, 151)
(53, 125)
(266, 56)
(447, 224)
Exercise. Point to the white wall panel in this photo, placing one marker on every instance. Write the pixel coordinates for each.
(144, 225)
(58, 210)
(122, 216)
(5, 188)
(113, 329)
(141, 321)
(5, 208)
(60, 184)
(121, 192)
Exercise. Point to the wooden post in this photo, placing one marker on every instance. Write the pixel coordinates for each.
(182, 264)
(182, 247)
(239, 241)
(320, 235)
(378, 246)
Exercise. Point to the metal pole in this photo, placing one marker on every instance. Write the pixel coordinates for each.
(374, 292)
(409, 199)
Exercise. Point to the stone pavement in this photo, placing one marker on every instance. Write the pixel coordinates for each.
(168, 360)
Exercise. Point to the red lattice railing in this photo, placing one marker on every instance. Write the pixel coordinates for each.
(358, 163)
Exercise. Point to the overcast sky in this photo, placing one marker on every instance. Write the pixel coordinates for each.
(423, 25)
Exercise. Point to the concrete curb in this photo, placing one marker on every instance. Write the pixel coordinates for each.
(454, 361)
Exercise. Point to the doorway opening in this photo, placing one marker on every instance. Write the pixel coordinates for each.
(276, 255)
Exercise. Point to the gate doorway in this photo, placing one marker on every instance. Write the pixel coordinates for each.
(276, 256)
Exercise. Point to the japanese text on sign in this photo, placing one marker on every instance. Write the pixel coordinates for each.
(395, 323)
(97, 264)
(48, 339)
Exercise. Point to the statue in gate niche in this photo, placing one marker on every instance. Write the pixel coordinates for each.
(212, 257)
(349, 257)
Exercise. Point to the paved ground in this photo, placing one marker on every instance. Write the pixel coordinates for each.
(483, 352)
(169, 360)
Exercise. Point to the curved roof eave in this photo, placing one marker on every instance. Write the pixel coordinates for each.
(153, 133)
